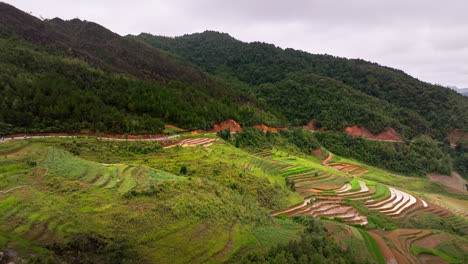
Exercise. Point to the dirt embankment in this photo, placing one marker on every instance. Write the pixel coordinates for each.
(317, 152)
(230, 124)
(311, 126)
(389, 134)
(266, 128)
(174, 127)
(102, 135)
(455, 180)
(455, 135)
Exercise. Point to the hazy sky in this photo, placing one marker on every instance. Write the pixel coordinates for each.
(426, 38)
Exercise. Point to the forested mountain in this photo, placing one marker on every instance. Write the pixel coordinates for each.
(272, 192)
(368, 94)
(76, 76)
(463, 91)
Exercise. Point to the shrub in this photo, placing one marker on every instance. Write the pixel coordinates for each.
(183, 170)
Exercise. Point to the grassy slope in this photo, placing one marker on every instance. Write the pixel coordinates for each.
(217, 210)
(188, 218)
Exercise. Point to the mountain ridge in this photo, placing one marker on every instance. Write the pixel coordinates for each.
(256, 63)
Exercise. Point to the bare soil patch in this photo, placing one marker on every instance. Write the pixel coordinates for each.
(428, 242)
(386, 252)
(311, 126)
(455, 180)
(455, 135)
(266, 128)
(430, 259)
(389, 133)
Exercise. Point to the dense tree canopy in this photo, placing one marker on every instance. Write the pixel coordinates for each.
(335, 93)
(417, 157)
(44, 89)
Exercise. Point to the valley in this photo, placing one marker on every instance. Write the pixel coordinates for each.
(202, 148)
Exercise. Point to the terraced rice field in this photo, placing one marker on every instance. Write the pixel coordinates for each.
(420, 246)
(123, 178)
(318, 189)
(399, 203)
(459, 207)
(263, 154)
(191, 142)
(270, 167)
(325, 195)
(350, 169)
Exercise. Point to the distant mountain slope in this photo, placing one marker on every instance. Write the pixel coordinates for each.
(463, 91)
(419, 107)
(96, 45)
(69, 76)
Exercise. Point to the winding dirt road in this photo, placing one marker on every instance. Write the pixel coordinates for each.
(87, 136)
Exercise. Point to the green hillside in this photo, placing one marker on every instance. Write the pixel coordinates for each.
(303, 86)
(87, 184)
(135, 202)
(51, 81)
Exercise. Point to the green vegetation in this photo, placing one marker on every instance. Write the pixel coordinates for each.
(12, 146)
(337, 92)
(460, 157)
(293, 141)
(372, 246)
(422, 250)
(270, 236)
(312, 247)
(88, 200)
(47, 87)
(68, 213)
(417, 157)
(133, 197)
(453, 249)
(355, 186)
(295, 170)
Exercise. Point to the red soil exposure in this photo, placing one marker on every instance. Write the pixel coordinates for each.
(455, 135)
(455, 181)
(266, 128)
(326, 186)
(430, 259)
(231, 124)
(317, 152)
(389, 133)
(329, 157)
(402, 239)
(385, 249)
(311, 125)
(428, 242)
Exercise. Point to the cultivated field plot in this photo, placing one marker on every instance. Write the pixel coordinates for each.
(421, 246)
(326, 194)
(350, 169)
(191, 142)
(123, 178)
(400, 203)
(317, 187)
(458, 206)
